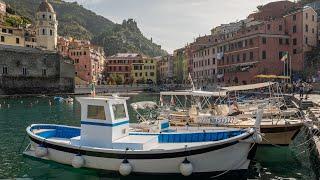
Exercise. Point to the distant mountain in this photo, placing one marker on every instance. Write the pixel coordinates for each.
(78, 22)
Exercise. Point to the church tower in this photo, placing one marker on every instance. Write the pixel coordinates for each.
(46, 27)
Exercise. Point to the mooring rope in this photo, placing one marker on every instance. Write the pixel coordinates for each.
(22, 142)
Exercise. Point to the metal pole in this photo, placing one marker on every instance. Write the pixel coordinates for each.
(290, 69)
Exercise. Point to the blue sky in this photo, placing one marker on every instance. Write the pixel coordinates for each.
(173, 23)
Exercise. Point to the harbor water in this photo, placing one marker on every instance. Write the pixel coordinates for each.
(17, 113)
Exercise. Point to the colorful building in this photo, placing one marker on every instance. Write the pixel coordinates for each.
(180, 66)
(43, 35)
(12, 36)
(257, 44)
(145, 71)
(165, 69)
(89, 60)
(119, 67)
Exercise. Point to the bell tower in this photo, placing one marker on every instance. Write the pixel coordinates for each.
(46, 27)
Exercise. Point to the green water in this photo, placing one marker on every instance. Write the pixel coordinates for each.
(17, 113)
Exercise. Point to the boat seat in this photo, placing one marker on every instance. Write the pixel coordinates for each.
(196, 137)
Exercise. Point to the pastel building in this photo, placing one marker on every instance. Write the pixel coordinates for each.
(89, 60)
(145, 71)
(257, 44)
(119, 67)
(12, 36)
(2, 7)
(165, 69)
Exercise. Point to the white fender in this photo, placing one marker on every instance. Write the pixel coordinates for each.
(125, 168)
(78, 161)
(41, 151)
(186, 168)
(257, 138)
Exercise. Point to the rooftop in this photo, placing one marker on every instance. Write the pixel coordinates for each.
(45, 6)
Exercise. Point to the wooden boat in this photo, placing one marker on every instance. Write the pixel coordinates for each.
(105, 142)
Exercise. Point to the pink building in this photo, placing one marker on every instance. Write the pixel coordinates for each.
(89, 60)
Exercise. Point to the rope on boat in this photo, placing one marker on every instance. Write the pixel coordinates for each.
(275, 145)
(235, 166)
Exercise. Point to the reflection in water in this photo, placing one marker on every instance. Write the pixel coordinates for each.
(17, 113)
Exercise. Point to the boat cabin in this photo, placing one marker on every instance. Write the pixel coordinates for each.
(105, 124)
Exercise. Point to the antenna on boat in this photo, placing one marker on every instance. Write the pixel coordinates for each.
(191, 81)
(93, 89)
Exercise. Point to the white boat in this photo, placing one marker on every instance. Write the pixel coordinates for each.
(104, 142)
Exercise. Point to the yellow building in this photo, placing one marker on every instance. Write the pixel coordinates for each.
(11, 36)
(145, 72)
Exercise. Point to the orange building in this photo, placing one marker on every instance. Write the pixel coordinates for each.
(89, 60)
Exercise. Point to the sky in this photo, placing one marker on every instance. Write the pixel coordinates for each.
(174, 23)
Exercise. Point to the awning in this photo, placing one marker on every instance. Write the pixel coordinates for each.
(194, 93)
(271, 77)
(248, 87)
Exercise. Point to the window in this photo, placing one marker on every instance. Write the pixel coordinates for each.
(294, 51)
(306, 15)
(294, 17)
(312, 17)
(280, 41)
(280, 27)
(51, 32)
(238, 58)
(4, 30)
(2, 38)
(294, 41)
(251, 42)
(287, 41)
(151, 73)
(119, 111)
(313, 30)
(96, 112)
(43, 16)
(280, 55)
(307, 28)
(264, 55)
(244, 57)
(43, 32)
(5, 70)
(306, 40)
(50, 17)
(264, 40)
(251, 55)
(214, 61)
(10, 31)
(268, 26)
(17, 41)
(44, 72)
(76, 73)
(294, 29)
(24, 71)
(85, 66)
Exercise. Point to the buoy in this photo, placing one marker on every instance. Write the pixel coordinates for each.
(257, 138)
(78, 161)
(186, 167)
(41, 151)
(125, 168)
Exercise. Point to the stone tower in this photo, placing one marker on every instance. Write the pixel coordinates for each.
(46, 27)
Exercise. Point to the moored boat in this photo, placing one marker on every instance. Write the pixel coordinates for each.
(104, 142)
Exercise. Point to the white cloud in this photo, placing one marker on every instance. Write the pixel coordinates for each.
(173, 23)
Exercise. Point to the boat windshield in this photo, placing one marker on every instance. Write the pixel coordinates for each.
(96, 112)
(119, 111)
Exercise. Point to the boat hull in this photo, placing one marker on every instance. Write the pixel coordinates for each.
(235, 157)
(281, 135)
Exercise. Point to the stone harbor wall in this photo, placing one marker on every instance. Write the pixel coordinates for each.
(32, 71)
